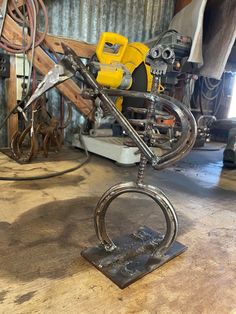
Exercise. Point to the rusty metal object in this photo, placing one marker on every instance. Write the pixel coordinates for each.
(43, 131)
(14, 145)
(54, 77)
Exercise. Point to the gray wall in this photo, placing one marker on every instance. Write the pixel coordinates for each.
(139, 20)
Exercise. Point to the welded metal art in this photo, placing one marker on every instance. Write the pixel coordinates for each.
(43, 131)
(128, 258)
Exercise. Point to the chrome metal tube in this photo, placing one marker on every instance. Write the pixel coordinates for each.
(72, 62)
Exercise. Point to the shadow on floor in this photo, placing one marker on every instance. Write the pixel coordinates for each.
(46, 241)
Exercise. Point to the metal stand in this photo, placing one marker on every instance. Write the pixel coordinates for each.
(130, 257)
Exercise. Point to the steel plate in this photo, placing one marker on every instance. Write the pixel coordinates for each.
(133, 257)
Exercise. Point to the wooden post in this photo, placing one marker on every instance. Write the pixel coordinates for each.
(11, 96)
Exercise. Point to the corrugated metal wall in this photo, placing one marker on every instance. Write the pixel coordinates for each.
(138, 20)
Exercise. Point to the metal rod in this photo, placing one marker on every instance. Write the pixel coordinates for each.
(72, 62)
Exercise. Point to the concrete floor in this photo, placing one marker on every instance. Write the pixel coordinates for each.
(45, 224)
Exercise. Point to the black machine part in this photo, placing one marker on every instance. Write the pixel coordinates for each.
(181, 46)
(139, 84)
(229, 158)
(4, 65)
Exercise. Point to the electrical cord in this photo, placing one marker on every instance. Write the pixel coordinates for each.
(54, 174)
(33, 47)
(210, 86)
(200, 96)
(215, 91)
(208, 149)
(28, 17)
(219, 98)
(23, 21)
(204, 86)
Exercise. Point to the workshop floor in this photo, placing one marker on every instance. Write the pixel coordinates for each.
(44, 225)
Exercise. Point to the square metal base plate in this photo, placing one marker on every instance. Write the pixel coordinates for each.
(132, 259)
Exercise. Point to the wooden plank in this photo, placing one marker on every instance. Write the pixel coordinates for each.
(12, 32)
(83, 49)
(12, 125)
(180, 4)
(19, 3)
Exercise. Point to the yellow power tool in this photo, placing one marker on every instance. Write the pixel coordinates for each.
(121, 64)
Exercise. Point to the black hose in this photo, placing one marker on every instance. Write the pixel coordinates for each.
(200, 96)
(220, 96)
(55, 174)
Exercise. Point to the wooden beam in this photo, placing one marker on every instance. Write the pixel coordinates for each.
(83, 49)
(11, 96)
(180, 4)
(19, 3)
(42, 62)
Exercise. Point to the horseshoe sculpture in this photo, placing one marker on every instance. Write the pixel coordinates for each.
(128, 258)
(45, 129)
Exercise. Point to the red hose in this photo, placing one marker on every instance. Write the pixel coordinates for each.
(17, 15)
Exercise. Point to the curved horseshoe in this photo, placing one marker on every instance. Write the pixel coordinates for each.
(34, 147)
(46, 143)
(57, 139)
(69, 117)
(157, 195)
(188, 139)
(23, 135)
(188, 123)
(14, 145)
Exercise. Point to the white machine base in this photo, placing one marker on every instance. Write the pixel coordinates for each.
(111, 148)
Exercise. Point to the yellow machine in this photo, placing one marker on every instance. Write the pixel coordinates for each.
(121, 65)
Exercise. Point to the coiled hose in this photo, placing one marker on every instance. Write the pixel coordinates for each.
(25, 15)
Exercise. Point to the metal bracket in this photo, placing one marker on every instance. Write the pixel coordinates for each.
(4, 65)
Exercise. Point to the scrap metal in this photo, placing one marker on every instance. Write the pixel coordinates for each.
(42, 132)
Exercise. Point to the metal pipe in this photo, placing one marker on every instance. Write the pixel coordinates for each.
(72, 62)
